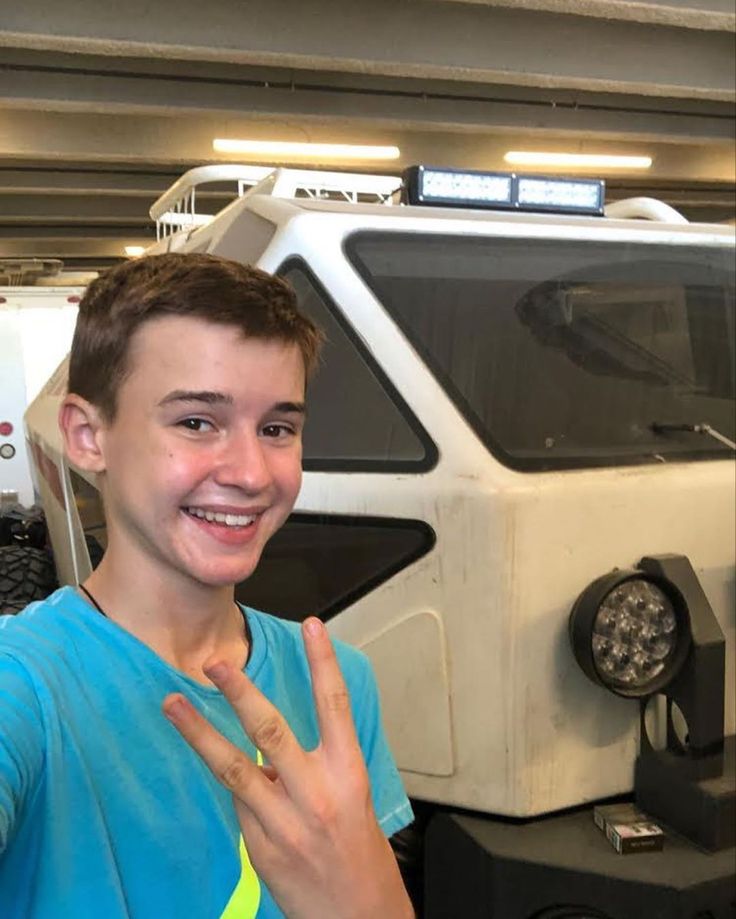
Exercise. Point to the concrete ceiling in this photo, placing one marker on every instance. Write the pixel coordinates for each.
(102, 106)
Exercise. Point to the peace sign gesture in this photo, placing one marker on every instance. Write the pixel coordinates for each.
(307, 819)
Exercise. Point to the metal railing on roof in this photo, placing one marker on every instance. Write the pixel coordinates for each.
(16, 272)
(176, 208)
(643, 209)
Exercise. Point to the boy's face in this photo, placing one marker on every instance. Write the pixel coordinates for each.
(208, 422)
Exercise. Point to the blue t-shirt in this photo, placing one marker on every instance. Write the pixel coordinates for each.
(105, 811)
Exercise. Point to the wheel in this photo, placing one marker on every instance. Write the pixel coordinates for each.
(23, 526)
(26, 574)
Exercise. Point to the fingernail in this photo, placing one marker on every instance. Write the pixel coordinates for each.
(176, 710)
(216, 671)
(314, 627)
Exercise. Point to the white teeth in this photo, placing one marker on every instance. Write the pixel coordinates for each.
(230, 520)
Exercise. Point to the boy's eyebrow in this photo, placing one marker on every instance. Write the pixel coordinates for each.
(290, 407)
(219, 398)
(186, 395)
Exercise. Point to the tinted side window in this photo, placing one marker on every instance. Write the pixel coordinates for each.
(316, 565)
(566, 353)
(356, 420)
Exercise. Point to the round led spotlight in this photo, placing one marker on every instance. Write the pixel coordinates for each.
(630, 632)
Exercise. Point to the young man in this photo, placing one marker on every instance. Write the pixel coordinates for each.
(136, 711)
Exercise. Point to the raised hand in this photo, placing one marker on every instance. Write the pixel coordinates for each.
(307, 819)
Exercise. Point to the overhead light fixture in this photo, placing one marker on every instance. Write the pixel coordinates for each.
(577, 160)
(286, 149)
(134, 251)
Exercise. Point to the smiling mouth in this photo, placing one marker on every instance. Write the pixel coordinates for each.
(225, 520)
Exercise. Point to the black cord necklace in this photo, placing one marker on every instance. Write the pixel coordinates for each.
(93, 601)
(246, 624)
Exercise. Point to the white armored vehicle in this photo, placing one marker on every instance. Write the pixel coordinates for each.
(518, 500)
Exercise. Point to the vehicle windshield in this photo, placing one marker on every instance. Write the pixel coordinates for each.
(568, 353)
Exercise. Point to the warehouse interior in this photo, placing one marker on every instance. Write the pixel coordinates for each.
(100, 113)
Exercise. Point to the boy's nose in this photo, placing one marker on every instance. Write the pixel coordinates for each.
(243, 464)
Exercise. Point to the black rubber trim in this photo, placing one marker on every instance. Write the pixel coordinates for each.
(431, 454)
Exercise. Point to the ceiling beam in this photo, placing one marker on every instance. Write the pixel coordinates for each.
(166, 141)
(409, 38)
(690, 14)
(31, 88)
(116, 183)
(54, 234)
(91, 247)
(38, 181)
(69, 209)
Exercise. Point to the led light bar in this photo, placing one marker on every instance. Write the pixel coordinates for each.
(508, 191)
(425, 185)
(580, 196)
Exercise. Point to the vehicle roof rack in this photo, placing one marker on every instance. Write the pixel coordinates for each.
(16, 272)
(644, 208)
(176, 208)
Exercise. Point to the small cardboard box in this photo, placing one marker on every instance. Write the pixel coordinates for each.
(628, 829)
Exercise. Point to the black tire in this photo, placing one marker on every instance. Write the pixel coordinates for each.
(6, 530)
(26, 574)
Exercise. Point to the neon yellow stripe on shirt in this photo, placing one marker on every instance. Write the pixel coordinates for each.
(245, 899)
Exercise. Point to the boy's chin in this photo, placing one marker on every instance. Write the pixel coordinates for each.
(224, 576)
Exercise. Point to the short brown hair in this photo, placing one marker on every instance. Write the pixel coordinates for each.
(219, 290)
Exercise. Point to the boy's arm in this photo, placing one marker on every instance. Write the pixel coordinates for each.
(21, 743)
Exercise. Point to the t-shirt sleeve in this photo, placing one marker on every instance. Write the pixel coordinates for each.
(390, 802)
(21, 743)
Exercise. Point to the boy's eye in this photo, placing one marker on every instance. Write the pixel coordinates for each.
(277, 430)
(196, 424)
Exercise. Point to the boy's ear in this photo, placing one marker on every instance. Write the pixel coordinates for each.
(82, 430)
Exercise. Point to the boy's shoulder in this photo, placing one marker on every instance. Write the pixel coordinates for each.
(43, 619)
(39, 636)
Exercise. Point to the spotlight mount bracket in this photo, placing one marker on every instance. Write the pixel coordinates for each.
(691, 786)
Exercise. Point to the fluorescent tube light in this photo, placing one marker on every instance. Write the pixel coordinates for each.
(577, 160)
(134, 251)
(287, 149)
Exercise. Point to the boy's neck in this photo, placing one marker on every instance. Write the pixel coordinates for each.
(183, 623)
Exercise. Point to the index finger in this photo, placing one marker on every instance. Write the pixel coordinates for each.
(229, 764)
(261, 720)
(331, 697)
